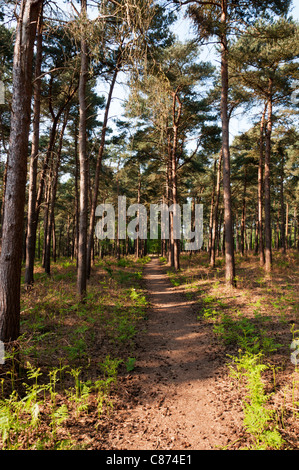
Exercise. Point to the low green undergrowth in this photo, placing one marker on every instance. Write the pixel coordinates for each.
(259, 420)
(63, 370)
(34, 416)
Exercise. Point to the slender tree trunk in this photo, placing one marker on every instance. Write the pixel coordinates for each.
(260, 190)
(268, 237)
(3, 200)
(31, 224)
(53, 199)
(218, 240)
(77, 197)
(237, 233)
(138, 242)
(228, 218)
(282, 211)
(13, 222)
(46, 214)
(256, 236)
(212, 212)
(215, 218)
(176, 121)
(98, 169)
(54, 241)
(243, 220)
(169, 202)
(117, 234)
(287, 227)
(82, 246)
(38, 243)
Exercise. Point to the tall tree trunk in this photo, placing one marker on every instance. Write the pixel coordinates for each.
(169, 196)
(176, 120)
(212, 211)
(256, 236)
(282, 211)
(98, 169)
(54, 241)
(46, 212)
(243, 220)
(32, 222)
(228, 218)
(13, 222)
(3, 200)
(77, 196)
(215, 217)
(287, 227)
(268, 237)
(82, 246)
(138, 240)
(117, 244)
(260, 189)
(53, 199)
(218, 239)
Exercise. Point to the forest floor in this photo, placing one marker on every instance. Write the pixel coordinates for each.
(183, 394)
(155, 359)
(184, 400)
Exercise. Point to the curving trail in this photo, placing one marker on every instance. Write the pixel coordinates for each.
(179, 396)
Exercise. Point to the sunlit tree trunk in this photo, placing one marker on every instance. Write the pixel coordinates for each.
(177, 111)
(260, 190)
(228, 218)
(268, 237)
(243, 220)
(32, 222)
(215, 217)
(98, 170)
(82, 245)
(282, 219)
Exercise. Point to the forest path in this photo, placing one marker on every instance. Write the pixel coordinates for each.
(174, 400)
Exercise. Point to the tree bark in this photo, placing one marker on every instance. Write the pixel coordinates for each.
(282, 211)
(212, 211)
(31, 222)
(169, 202)
(176, 120)
(287, 227)
(82, 245)
(52, 200)
(215, 218)
(228, 218)
(260, 190)
(13, 222)
(268, 235)
(138, 240)
(243, 220)
(98, 170)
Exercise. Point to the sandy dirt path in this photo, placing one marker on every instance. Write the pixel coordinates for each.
(179, 395)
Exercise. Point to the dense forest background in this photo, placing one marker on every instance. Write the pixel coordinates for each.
(169, 136)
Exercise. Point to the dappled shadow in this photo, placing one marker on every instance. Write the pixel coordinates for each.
(176, 347)
(179, 348)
